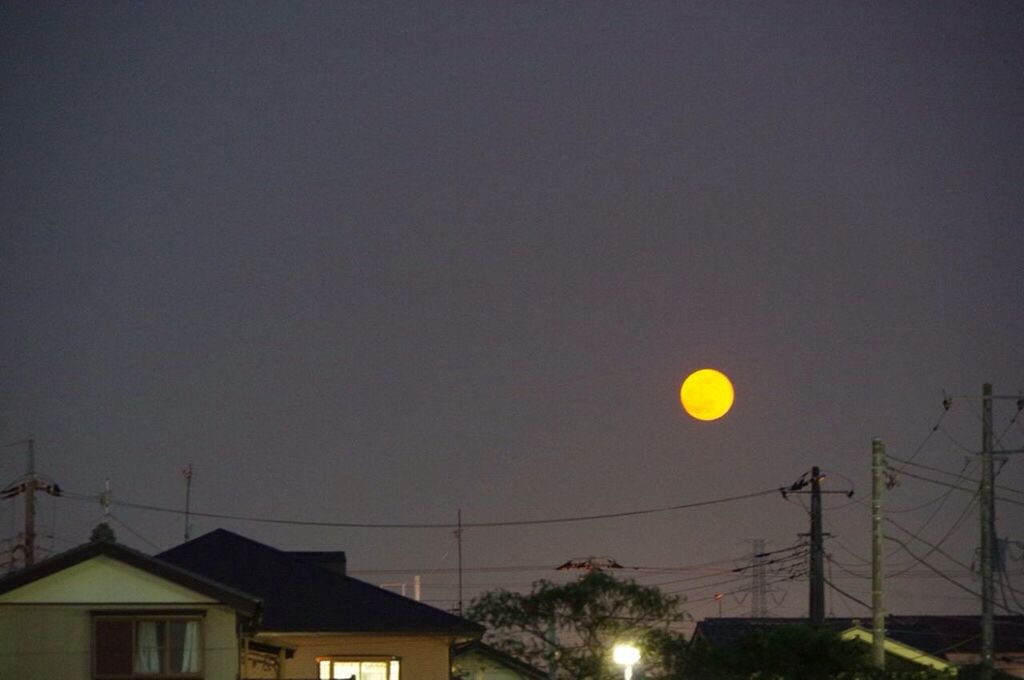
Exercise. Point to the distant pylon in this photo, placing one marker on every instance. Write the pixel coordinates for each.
(759, 581)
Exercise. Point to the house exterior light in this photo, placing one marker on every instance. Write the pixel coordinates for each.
(626, 655)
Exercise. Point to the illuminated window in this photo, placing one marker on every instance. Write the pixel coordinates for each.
(358, 669)
(147, 647)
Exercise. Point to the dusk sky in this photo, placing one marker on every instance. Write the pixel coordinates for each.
(377, 262)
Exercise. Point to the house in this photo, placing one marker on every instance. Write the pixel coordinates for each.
(474, 660)
(220, 607)
(317, 622)
(103, 610)
(937, 642)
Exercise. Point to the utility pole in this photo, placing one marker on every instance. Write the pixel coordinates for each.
(28, 486)
(988, 522)
(458, 540)
(816, 575)
(30, 505)
(817, 571)
(987, 515)
(877, 585)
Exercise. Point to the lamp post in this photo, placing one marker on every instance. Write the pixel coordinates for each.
(626, 655)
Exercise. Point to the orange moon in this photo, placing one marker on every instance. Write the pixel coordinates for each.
(706, 394)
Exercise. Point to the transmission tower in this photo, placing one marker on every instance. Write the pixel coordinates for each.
(758, 580)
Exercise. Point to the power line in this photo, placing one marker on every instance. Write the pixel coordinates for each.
(958, 475)
(946, 404)
(845, 594)
(954, 486)
(945, 537)
(937, 572)
(379, 525)
(925, 563)
(135, 533)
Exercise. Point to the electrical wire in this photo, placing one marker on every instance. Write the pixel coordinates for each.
(942, 502)
(956, 442)
(135, 533)
(947, 403)
(945, 537)
(939, 573)
(961, 474)
(944, 554)
(958, 488)
(464, 525)
(845, 594)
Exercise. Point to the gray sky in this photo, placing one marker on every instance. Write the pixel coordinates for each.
(376, 262)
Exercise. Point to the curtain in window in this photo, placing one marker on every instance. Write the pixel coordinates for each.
(373, 670)
(147, 647)
(346, 670)
(190, 648)
(358, 670)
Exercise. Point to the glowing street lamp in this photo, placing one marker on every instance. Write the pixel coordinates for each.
(626, 656)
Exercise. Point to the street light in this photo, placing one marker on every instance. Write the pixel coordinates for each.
(626, 655)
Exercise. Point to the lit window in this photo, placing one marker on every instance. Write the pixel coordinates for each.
(147, 647)
(358, 669)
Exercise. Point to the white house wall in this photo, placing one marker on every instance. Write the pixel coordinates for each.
(46, 625)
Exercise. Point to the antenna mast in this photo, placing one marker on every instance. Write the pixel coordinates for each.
(187, 473)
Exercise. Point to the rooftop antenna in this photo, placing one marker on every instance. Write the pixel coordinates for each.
(106, 501)
(187, 473)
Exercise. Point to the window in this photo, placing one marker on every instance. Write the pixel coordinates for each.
(147, 647)
(358, 669)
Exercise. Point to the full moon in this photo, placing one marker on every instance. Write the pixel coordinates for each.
(706, 394)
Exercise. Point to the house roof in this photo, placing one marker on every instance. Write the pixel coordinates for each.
(508, 661)
(898, 649)
(301, 596)
(936, 635)
(334, 560)
(242, 602)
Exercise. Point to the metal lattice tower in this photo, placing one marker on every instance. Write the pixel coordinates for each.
(759, 581)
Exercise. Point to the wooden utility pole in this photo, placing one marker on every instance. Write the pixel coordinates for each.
(988, 512)
(817, 571)
(30, 505)
(28, 486)
(458, 541)
(877, 586)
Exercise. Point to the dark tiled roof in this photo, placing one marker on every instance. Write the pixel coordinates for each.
(936, 635)
(299, 595)
(334, 560)
(239, 600)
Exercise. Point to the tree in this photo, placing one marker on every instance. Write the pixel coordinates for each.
(575, 625)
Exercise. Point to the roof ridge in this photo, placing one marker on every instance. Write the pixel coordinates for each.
(288, 571)
(132, 557)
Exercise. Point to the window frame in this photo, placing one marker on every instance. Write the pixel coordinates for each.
(389, 659)
(158, 616)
